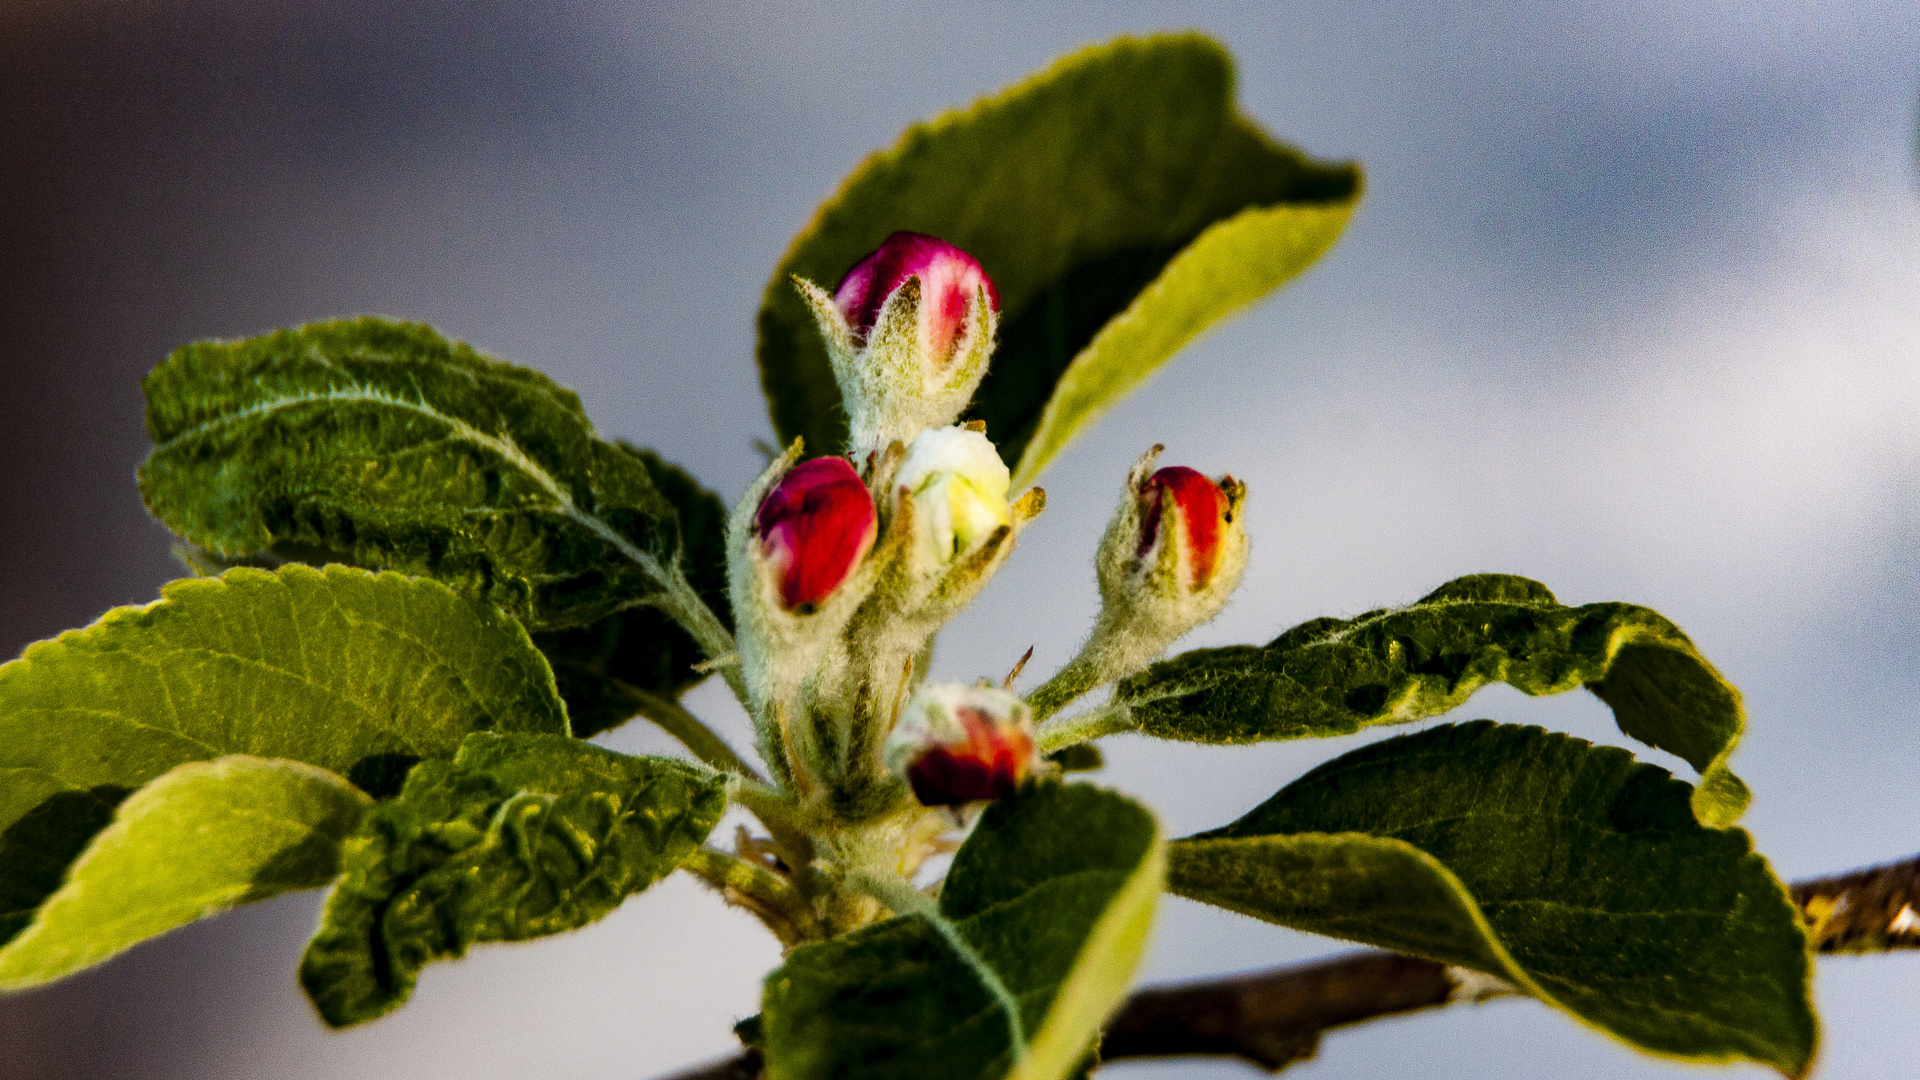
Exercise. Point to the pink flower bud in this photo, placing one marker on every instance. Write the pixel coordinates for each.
(960, 744)
(1205, 515)
(949, 280)
(815, 526)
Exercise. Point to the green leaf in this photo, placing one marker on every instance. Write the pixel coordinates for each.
(642, 647)
(1336, 676)
(519, 837)
(385, 445)
(353, 672)
(1055, 890)
(203, 837)
(1569, 870)
(1118, 201)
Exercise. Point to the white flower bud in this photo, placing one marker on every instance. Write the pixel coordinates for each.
(959, 489)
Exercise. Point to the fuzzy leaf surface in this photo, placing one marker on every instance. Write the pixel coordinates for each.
(203, 837)
(353, 672)
(385, 445)
(520, 836)
(1336, 676)
(1055, 890)
(1567, 869)
(641, 646)
(1118, 200)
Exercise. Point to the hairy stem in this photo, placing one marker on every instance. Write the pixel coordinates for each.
(779, 814)
(686, 608)
(903, 899)
(1082, 727)
(765, 892)
(1113, 651)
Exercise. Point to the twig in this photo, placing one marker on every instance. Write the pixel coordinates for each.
(1275, 1018)
(1866, 911)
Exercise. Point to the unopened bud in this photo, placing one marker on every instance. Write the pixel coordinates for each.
(813, 528)
(1173, 553)
(1197, 530)
(959, 489)
(958, 744)
(950, 279)
(1170, 559)
(909, 331)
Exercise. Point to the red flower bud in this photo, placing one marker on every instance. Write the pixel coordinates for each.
(1205, 512)
(815, 526)
(949, 280)
(961, 744)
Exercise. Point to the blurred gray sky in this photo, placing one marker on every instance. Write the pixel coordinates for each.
(1632, 306)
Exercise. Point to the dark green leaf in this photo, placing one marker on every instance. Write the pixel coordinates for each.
(1118, 201)
(641, 646)
(203, 837)
(1055, 890)
(1567, 869)
(519, 837)
(385, 445)
(350, 671)
(1336, 676)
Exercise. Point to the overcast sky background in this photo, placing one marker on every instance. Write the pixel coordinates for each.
(1632, 306)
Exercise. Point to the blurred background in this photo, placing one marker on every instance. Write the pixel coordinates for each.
(1632, 306)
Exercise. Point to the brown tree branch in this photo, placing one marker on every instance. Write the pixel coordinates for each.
(1866, 911)
(1275, 1018)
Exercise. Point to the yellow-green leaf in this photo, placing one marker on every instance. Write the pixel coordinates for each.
(1120, 203)
(204, 837)
(1055, 891)
(361, 674)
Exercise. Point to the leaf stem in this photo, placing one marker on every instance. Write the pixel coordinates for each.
(760, 889)
(776, 810)
(1109, 719)
(674, 718)
(899, 895)
(686, 608)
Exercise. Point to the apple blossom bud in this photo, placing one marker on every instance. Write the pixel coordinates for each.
(1170, 559)
(959, 489)
(958, 744)
(909, 331)
(1201, 525)
(814, 527)
(949, 280)
(1175, 549)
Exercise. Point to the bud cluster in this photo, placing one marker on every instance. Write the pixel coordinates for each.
(841, 569)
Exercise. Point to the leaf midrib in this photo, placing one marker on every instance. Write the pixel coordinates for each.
(502, 446)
